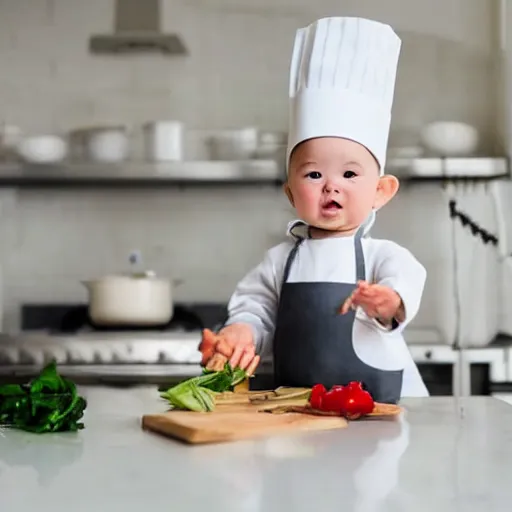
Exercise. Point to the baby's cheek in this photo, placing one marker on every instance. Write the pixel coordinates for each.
(358, 210)
(359, 206)
(306, 197)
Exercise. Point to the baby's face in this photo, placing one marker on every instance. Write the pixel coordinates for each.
(333, 183)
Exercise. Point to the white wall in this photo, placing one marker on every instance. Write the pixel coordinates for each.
(238, 65)
(235, 75)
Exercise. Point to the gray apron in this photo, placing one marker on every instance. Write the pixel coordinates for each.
(313, 343)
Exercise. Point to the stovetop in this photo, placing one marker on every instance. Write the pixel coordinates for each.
(64, 333)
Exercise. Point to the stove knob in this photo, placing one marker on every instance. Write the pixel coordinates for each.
(117, 358)
(97, 357)
(9, 356)
(68, 357)
(57, 354)
(76, 357)
(31, 356)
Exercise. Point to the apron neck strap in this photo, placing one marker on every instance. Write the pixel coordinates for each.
(359, 255)
(291, 258)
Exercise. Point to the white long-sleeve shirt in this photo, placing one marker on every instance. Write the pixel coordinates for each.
(256, 298)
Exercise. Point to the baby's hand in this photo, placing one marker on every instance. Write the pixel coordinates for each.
(377, 301)
(234, 342)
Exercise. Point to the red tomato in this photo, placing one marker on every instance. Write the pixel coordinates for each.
(317, 394)
(351, 400)
(334, 400)
(355, 385)
(357, 403)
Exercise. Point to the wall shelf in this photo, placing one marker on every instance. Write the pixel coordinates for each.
(133, 174)
(435, 168)
(141, 174)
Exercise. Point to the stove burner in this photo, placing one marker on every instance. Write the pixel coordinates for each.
(77, 320)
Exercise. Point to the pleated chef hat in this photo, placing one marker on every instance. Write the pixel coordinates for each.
(342, 83)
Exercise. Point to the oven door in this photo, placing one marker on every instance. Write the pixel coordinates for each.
(489, 368)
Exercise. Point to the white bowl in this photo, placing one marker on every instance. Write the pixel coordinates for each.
(43, 149)
(234, 144)
(108, 145)
(450, 138)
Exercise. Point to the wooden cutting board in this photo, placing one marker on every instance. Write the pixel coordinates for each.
(234, 423)
(242, 418)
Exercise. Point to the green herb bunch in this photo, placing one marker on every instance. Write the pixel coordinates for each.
(49, 403)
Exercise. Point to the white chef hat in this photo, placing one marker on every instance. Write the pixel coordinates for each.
(342, 83)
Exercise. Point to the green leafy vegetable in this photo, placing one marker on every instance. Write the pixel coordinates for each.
(198, 393)
(189, 396)
(49, 403)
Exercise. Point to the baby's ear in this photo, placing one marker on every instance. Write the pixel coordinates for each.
(288, 193)
(386, 189)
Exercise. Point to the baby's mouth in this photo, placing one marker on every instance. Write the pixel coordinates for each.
(332, 205)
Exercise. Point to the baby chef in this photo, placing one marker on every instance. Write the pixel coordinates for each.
(330, 304)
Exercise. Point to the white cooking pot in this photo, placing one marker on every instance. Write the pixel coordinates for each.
(137, 299)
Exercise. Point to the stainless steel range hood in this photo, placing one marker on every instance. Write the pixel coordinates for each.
(137, 30)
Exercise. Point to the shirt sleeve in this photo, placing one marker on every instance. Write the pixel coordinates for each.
(256, 297)
(398, 269)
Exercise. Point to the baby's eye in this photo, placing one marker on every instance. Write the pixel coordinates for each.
(314, 175)
(349, 174)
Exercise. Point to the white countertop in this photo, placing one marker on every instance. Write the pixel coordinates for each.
(431, 460)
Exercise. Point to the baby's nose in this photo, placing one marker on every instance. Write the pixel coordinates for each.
(331, 188)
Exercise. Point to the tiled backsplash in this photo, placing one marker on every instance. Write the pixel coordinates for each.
(209, 238)
(235, 75)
